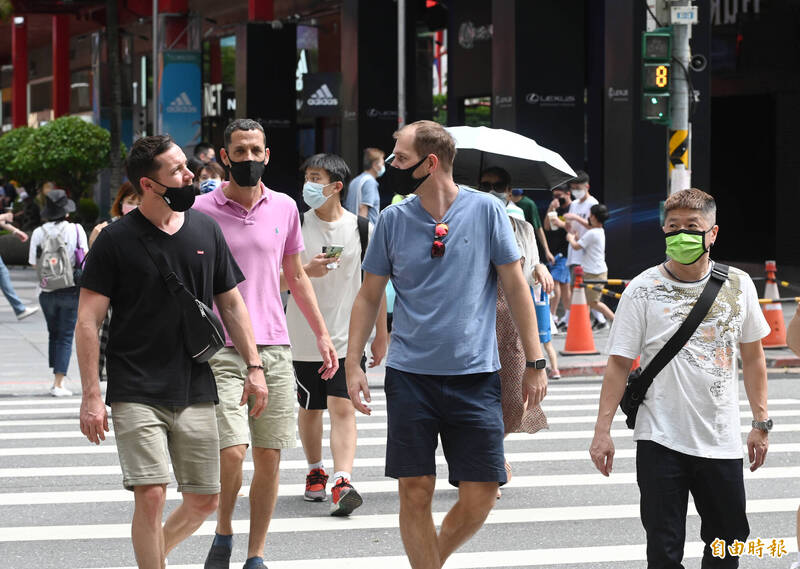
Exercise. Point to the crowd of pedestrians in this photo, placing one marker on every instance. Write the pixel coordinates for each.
(468, 372)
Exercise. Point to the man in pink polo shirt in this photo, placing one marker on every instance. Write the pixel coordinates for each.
(262, 229)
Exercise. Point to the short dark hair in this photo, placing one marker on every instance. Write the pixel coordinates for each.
(245, 125)
(202, 147)
(503, 175)
(334, 165)
(581, 177)
(600, 212)
(142, 159)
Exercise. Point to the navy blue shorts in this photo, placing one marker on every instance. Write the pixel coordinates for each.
(463, 409)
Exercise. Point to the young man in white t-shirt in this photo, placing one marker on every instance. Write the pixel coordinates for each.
(687, 429)
(593, 247)
(578, 222)
(332, 258)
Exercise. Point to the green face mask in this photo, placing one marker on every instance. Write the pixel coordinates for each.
(686, 246)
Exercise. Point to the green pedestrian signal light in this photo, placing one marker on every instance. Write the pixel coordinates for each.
(655, 108)
(656, 75)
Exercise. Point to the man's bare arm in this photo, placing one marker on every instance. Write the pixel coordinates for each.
(92, 310)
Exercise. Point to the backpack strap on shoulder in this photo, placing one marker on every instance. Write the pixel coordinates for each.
(363, 234)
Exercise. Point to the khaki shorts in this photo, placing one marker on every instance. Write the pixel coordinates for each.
(275, 428)
(594, 295)
(149, 435)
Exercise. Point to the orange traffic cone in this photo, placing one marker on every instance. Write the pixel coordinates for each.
(636, 363)
(579, 330)
(773, 312)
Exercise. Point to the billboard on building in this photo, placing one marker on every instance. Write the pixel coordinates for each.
(180, 97)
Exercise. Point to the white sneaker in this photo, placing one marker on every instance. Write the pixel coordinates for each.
(60, 391)
(28, 312)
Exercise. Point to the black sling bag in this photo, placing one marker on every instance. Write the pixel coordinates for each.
(203, 334)
(639, 380)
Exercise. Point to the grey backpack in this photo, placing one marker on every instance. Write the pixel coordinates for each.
(54, 266)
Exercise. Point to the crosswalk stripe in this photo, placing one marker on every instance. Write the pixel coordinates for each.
(376, 393)
(365, 487)
(541, 435)
(375, 521)
(572, 556)
(364, 423)
(376, 400)
(548, 409)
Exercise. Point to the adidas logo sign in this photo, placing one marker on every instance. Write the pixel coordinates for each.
(323, 97)
(182, 104)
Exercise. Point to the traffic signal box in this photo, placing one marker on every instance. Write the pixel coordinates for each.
(656, 75)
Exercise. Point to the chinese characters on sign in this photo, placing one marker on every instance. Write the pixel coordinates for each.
(753, 548)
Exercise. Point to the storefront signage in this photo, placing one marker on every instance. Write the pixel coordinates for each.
(321, 94)
(180, 96)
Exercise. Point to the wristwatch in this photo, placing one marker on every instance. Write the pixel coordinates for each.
(537, 364)
(765, 426)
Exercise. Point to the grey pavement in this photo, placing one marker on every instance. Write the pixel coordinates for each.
(23, 348)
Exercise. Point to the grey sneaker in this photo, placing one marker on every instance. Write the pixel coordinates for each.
(27, 312)
(315, 486)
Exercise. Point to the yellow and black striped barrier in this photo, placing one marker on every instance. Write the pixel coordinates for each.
(779, 300)
(609, 282)
(604, 291)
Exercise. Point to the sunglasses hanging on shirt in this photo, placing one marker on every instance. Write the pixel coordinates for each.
(438, 247)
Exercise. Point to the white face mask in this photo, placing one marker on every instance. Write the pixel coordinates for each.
(578, 194)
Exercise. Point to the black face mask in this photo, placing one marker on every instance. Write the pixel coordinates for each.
(402, 181)
(562, 201)
(178, 199)
(247, 173)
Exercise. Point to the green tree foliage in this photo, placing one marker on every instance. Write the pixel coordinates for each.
(6, 9)
(67, 151)
(10, 143)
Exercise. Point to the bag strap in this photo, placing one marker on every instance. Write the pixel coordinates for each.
(174, 284)
(363, 234)
(719, 274)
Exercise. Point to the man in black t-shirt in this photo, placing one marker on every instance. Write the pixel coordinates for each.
(162, 401)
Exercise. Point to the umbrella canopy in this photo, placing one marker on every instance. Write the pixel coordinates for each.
(530, 165)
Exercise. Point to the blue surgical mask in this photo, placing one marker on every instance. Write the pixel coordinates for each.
(382, 171)
(313, 196)
(209, 185)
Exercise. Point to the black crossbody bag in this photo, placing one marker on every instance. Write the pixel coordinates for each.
(203, 334)
(639, 380)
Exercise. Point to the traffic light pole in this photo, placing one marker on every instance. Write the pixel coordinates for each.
(680, 131)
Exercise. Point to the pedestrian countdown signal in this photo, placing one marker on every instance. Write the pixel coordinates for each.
(656, 77)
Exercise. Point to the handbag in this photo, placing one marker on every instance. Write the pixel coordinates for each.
(203, 334)
(639, 380)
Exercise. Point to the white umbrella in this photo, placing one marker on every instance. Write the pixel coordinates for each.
(530, 166)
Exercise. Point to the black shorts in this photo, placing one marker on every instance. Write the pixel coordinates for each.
(463, 409)
(313, 391)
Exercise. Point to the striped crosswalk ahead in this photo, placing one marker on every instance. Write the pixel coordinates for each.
(62, 504)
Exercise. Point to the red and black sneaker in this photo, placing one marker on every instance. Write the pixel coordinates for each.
(315, 486)
(345, 498)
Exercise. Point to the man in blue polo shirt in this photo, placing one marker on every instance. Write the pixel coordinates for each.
(443, 248)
